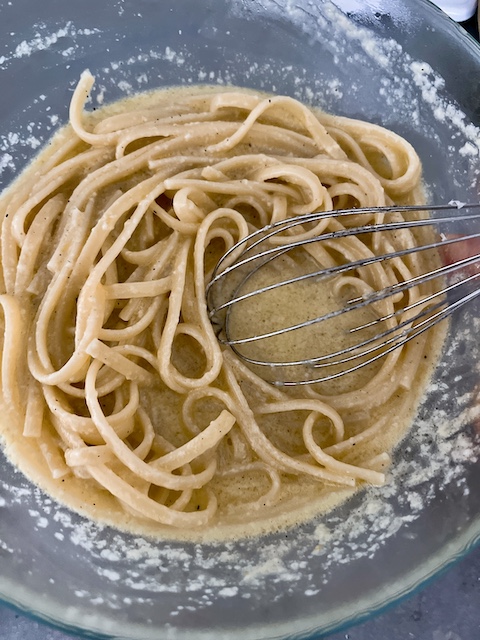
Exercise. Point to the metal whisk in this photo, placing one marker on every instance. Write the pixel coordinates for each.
(261, 265)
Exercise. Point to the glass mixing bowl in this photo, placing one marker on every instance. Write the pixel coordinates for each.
(400, 63)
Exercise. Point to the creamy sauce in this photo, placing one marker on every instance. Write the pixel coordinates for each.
(300, 498)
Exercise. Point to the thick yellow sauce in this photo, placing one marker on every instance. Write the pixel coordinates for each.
(300, 498)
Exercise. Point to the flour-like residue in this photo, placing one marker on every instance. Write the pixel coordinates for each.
(431, 84)
(65, 40)
(44, 39)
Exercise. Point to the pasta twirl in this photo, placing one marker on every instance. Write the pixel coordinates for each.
(107, 243)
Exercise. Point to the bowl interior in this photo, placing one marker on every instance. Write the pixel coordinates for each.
(397, 66)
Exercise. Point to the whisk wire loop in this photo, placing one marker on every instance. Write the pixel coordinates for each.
(227, 287)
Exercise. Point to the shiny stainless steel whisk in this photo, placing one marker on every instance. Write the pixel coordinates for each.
(228, 287)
